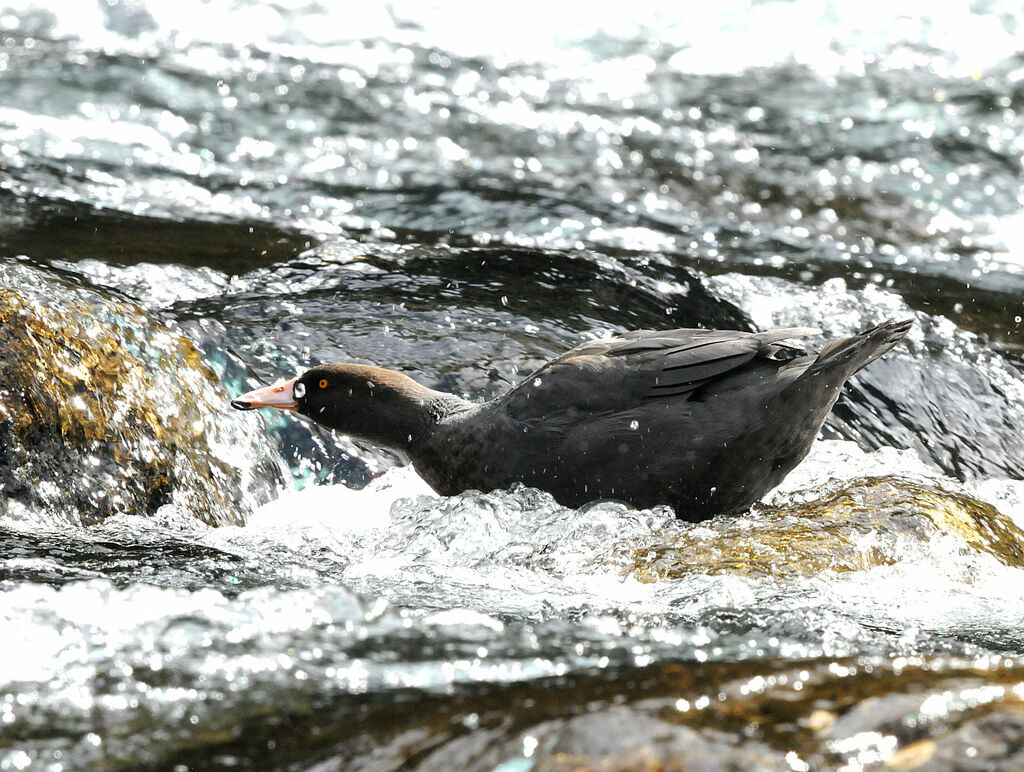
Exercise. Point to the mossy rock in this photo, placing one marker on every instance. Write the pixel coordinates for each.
(864, 524)
(105, 410)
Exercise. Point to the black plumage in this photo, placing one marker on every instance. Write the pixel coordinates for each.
(707, 421)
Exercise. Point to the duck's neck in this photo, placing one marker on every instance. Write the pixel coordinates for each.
(444, 410)
(451, 443)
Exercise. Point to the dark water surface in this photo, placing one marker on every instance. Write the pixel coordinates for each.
(198, 197)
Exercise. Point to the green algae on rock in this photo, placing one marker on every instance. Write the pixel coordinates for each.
(857, 527)
(105, 410)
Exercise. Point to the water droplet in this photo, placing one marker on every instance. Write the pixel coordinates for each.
(529, 745)
(634, 425)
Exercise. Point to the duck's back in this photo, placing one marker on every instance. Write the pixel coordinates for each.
(618, 373)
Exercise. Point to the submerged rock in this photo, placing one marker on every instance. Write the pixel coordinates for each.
(821, 714)
(104, 410)
(824, 713)
(866, 523)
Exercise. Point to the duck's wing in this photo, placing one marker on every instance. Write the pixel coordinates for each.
(616, 372)
(683, 361)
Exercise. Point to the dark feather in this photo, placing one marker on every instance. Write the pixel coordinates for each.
(647, 364)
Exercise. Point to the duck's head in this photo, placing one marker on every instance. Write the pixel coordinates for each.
(371, 403)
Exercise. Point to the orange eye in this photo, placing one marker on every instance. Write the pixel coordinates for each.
(323, 383)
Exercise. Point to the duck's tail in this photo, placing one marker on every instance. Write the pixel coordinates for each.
(857, 352)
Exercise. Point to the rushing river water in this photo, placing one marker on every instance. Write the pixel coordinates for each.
(200, 197)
